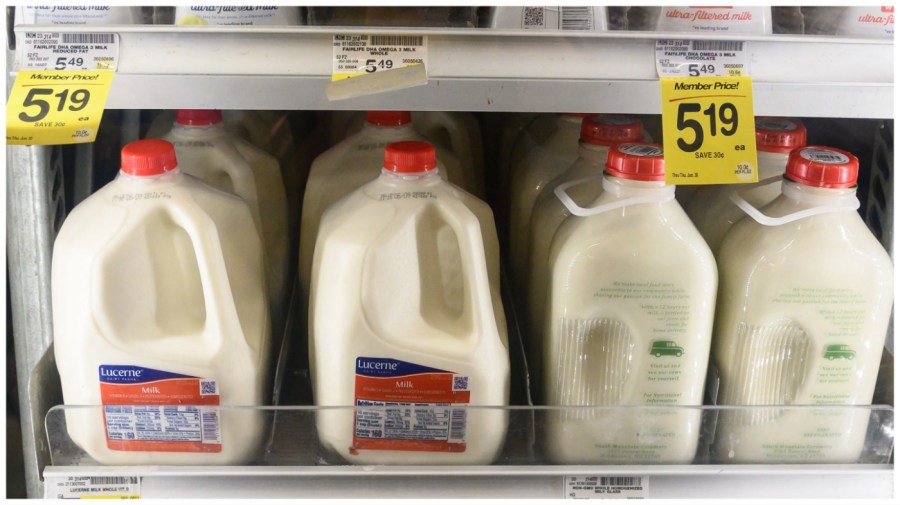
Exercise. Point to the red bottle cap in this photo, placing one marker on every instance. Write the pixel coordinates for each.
(148, 157)
(388, 117)
(609, 129)
(410, 157)
(639, 161)
(779, 135)
(822, 167)
(198, 117)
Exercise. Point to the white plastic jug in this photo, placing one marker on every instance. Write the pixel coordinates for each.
(804, 303)
(352, 163)
(240, 15)
(77, 15)
(711, 209)
(549, 18)
(207, 150)
(160, 315)
(598, 133)
(549, 144)
(715, 19)
(458, 132)
(632, 288)
(405, 310)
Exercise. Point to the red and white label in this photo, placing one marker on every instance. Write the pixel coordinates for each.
(153, 410)
(403, 406)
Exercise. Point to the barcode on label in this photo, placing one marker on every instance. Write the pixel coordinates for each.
(88, 38)
(827, 157)
(716, 45)
(396, 40)
(105, 481)
(576, 18)
(209, 427)
(621, 481)
(533, 17)
(639, 150)
(457, 425)
(208, 387)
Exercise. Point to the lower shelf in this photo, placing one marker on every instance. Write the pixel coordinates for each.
(679, 481)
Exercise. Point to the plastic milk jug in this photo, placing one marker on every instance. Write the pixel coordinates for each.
(717, 19)
(598, 133)
(458, 132)
(549, 18)
(405, 311)
(352, 163)
(711, 209)
(804, 302)
(207, 150)
(630, 312)
(240, 15)
(548, 146)
(77, 15)
(872, 21)
(160, 316)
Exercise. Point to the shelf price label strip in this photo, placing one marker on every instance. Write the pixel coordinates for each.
(707, 112)
(358, 55)
(609, 487)
(92, 486)
(48, 107)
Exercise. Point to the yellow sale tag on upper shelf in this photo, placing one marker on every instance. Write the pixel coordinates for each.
(47, 107)
(709, 130)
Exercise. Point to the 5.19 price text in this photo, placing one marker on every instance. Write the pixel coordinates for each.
(726, 114)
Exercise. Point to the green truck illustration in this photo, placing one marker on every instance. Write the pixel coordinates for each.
(666, 348)
(839, 351)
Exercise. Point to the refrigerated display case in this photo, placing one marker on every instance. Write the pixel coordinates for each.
(842, 87)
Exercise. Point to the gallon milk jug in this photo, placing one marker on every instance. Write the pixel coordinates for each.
(78, 15)
(804, 303)
(549, 18)
(352, 163)
(160, 316)
(457, 131)
(598, 132)
(236, 15)
(710, 207)
(207, 150)
(549, 144)
(405, 312)
(717, 19)
(632, 288)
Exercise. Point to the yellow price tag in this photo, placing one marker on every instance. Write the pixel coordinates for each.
(710, 133)
(48, 107)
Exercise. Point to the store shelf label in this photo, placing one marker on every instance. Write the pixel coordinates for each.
(92, 486)
(696, 58)
(68, 51)
(356, 55)
(709, 134)
(48, 107)
(609, 487)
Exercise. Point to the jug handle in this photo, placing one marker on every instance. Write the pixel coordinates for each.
(576, 210)
(738, 199)
(437, 120)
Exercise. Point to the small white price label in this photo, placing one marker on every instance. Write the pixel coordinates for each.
(92, 486)
(698, 58)
(607, 487)
(356, 55)
(68, 51)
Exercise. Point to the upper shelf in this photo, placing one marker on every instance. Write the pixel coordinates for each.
(164, 67)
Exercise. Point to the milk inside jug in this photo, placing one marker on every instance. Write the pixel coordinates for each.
(160, 316)
(78, 15)
(237, 15)
(598, 133)
(352, 163)
(405, 311)
(804, 302)
(710, 207)
(207, 150)
(715, 19)
(630, 312)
